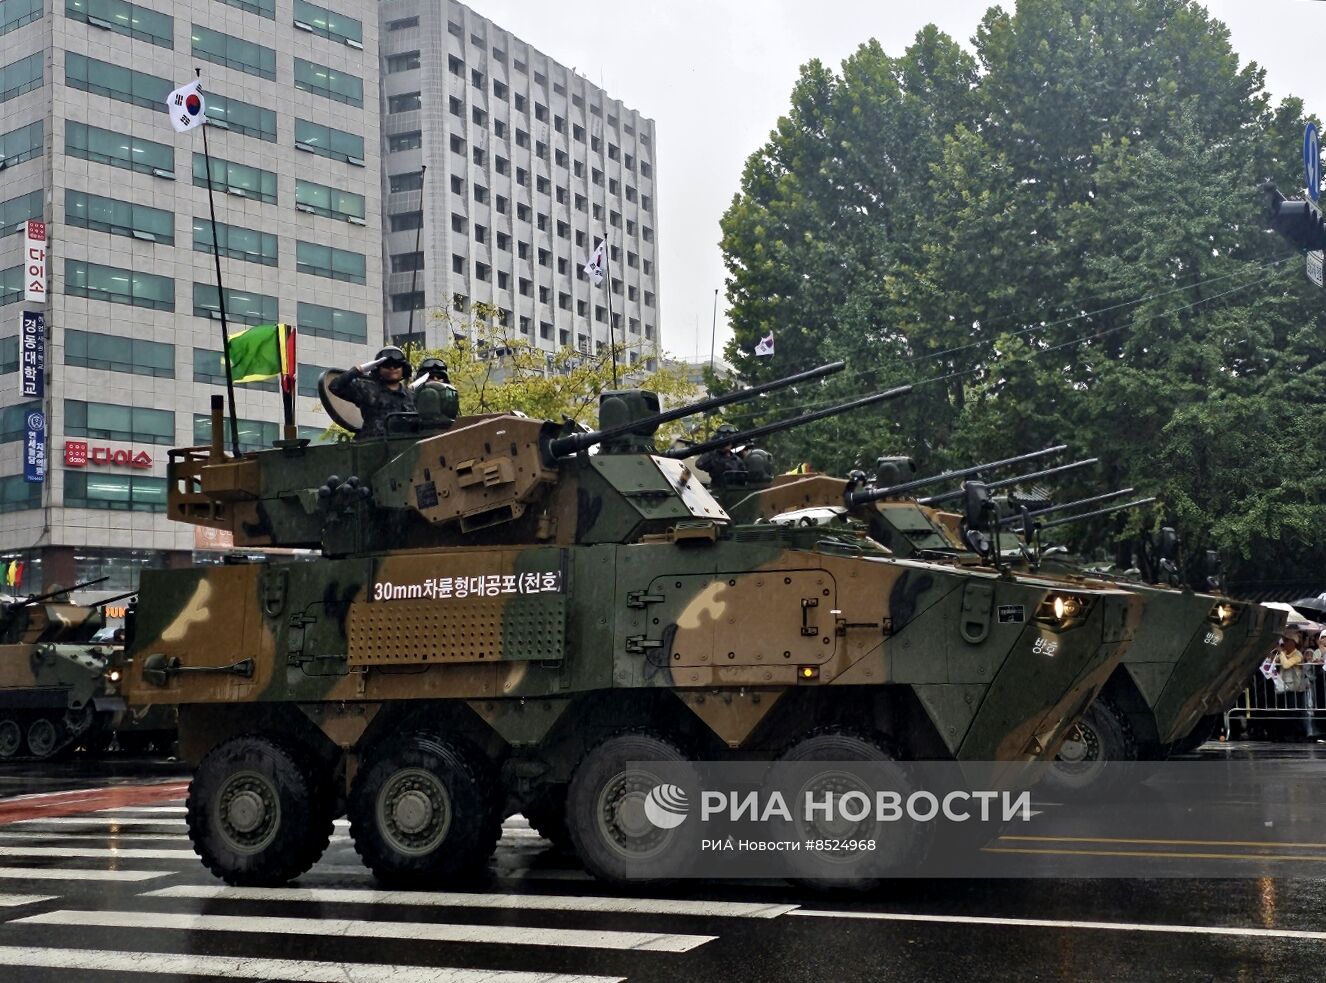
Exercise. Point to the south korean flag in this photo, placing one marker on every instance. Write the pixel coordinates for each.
(596, 267)
(186, 108)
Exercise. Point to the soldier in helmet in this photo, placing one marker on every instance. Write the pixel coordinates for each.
(434, 368)
(435, 397)
(378, 389)
(723, 464)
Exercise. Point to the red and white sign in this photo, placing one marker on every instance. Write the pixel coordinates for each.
(77, 454)
(34, 262)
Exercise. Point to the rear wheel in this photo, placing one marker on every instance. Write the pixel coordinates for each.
(423, 811)
(1094, 756)
(43, 737)
(11, 738)
(259, 811)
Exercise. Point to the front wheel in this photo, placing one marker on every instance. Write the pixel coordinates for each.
(1095, 754)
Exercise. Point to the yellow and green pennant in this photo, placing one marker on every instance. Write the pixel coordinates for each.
(260, 353)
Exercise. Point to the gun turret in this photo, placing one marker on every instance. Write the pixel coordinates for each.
(1009, 520)
(1091, 515)
(745, 436)
(646, 425)
(863, 496)
(1006, 482)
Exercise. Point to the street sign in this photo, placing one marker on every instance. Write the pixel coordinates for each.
(34, 448)
(34, 262)
(1312, 161)
(1314, 267)
(32, 354)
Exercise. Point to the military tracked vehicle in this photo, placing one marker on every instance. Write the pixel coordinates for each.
(509, 613)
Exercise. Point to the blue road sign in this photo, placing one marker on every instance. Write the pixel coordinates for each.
(1312, 161)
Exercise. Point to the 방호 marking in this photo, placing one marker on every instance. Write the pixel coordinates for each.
(68, 874)
(431, 899)
(245, 968)
(889, 916)
(406, 931)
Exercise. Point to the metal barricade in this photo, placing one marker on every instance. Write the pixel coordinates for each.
(1299, 699)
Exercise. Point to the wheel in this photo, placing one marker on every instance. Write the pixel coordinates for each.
(423, 811)
(11, 738)
(259, 812)
(611, 807)
(1205, 729)
(547, 817)
(897, 844)
(43, 738)
(1094, 756)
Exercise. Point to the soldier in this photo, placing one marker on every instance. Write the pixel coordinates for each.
(723, 465)
(434, 368)
(376, 388)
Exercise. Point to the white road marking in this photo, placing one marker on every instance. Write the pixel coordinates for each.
(127, 853)
(14, 900)
(62, 836)
(533, 902)
(98, 820)
(137, 810)
(353, 928)
(247, 968)
(70, 874)
(889, 916)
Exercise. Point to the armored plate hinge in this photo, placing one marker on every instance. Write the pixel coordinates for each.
(295, 636)
(639, 599)
(638, 644)
(807, 628)
(841, 626)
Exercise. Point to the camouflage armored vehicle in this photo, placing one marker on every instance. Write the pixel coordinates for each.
(510, 612)
(55, 685)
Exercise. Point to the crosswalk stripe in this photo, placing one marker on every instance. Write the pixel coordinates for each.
(70, 874)
(98, 820)
(142, 810)
(449, 899)
(127, 853)
(14, 900)
(355, 928)
(27, 835)
(248, 968)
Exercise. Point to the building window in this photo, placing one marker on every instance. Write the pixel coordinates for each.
(564, 301)
(649, 299)
(308, 376)
(110, 421)
(240, 117)
(457, 184)
(526, 287)
(263, 8)
(122, 492)
(236, 242)
(478, 115)
(542, 185)
(647, 267)
(503, 281)
(561, 266)
(455, 106)
(522, 138)
(11, 285)
(501, 205)
(409, 181)
(645, 169)
(504, 242)
(545, 257)
(499, 129)
(16, 13)
(541, 150)
(457, 144)
(240, 180)
(407, 262)
(405, 141)
(501, 165)
(407, 221)
(480, 234)
(115, 354)
(476, 78)
(28, 143)
(481, 194)
(116, 216)
(328, 24)
(17, 494)
(121, 17)
(614, 187)
(9, 354)
(241, 307)
(16, 211)
(478, 156)
(499, 89)
(406, 61)
(254, 435)
(326, 141)
(413, 301)
(327, 322)
(316, 259)
(404, 103)
(522, 177)
(480, 271)
(646, 233)
(119, 286)
(103, 79)
(458, 223)
(14, 421)
(323, 81)
(329, 202)
(520, 103)
(541, 112)
(522, 212)
(233, 52)
(209, 370)
(402, 24)
(646, 204)
(457, 264)
(456, 66)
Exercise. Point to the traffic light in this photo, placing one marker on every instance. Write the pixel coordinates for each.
(1297, 220)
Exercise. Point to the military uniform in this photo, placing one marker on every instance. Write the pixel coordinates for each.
(375, 401)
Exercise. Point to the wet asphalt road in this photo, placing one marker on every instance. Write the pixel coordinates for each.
(106, 878)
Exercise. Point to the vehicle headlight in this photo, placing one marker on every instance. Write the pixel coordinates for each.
(1224, 614)
(1061, 611)
(113, 675)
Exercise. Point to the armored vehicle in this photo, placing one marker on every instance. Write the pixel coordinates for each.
(511, 614)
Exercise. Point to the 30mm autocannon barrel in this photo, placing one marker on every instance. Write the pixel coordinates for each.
(573, 443)
(38, 598)
(1009, 520)
(1091, 515)
(743, 436)
(1006, 482)
(863, 496)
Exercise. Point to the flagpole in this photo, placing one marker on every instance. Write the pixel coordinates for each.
(289, 380)
(414, 279)
(220, 295)
(612, 335)
(713, 332)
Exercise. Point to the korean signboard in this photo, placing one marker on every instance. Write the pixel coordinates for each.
(34, 262)
(77, 454)
(32, 353)
(34, 447)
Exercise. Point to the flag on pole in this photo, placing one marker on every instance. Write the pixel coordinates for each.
(186, 107)
(259, 353)
(289, 363)
(765, 346)
(597, 266)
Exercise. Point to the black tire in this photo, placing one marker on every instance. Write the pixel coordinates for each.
(423, 811)
(12, 745)
(1206, 728)
(1100, 757)
(259, 811)
(605, 810)
(547, 817)
(45, 737)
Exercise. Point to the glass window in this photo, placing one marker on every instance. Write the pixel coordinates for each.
(338, 264)
(239, 117)
(405, 141)
(241, 307)
(11, 285)
(124, 18)
(17, 493)
(408, 301)
(402, 24)
(240, 180)
(126, 492)
(407, 221)
(114, 82)
(236, 242)
(207, 368)
(119, 286)
(324, 81)
(411, 181)
(233, 52)
(254, 435)
(21, 76)
(328, 24)
(117, 149)
(404, 103)
(400, 263)
(115, 354)
(15, 13)
(24, 143)
(308, 379)
(327, 322)
(14, 421)
(16, 211)
(406, 61)
(329, 202)
(8, 354)
(263, 8)
(111, 421)
(119, 217)
(326, 141)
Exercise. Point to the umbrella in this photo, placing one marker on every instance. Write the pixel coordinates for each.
(1313, 606)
